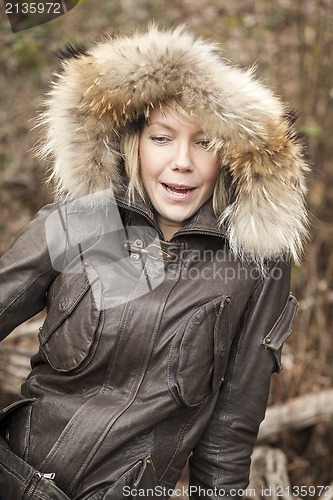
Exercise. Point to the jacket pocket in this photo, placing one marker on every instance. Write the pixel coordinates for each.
(15, 425)
(124, 487)
(281, 330)
(6, 412)
(70, 334)
(199, 353)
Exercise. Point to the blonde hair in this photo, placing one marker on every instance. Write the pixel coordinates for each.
(129, 147)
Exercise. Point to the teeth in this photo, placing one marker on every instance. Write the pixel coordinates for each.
(174, 189)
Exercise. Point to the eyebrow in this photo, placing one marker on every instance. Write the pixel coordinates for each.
(161, 124)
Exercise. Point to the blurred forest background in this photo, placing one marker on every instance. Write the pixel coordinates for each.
(291, 41)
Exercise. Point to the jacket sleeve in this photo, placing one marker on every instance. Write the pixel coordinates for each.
(26, 273)
(220, 463)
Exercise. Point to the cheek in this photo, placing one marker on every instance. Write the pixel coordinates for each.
(211, 174)
(151, 166)
(147, 171)
(145, 162)
(146, 153)
(149, 175)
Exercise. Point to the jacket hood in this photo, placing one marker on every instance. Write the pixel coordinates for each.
(100, 91)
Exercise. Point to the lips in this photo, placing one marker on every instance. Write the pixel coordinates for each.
(178, 192)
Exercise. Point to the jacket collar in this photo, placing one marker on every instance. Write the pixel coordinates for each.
(202, 222)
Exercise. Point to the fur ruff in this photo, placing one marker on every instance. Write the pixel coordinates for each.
(101, 90)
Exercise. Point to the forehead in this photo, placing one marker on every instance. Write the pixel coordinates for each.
(174, 120)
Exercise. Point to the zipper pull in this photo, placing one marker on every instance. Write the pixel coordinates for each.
(50, 475)
(146, 461)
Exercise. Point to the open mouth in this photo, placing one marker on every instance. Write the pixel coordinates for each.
(176, 192)
(182, 191)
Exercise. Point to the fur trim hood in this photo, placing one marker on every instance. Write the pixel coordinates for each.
(100, 91)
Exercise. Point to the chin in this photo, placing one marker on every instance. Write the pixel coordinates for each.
(181, 220)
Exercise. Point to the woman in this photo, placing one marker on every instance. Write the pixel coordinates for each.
(164, 265)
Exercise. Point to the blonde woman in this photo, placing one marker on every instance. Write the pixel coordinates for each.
(164, 266)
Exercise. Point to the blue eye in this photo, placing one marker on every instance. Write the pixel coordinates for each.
(160, 139)
(204, 143)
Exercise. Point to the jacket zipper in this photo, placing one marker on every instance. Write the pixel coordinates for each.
(32, 485)
(31, 488)
(198, 231)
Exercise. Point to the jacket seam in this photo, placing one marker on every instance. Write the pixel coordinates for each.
(181, 437)
(24, 290)
(222, 441)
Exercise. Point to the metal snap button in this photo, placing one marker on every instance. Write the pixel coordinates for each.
(138, 243)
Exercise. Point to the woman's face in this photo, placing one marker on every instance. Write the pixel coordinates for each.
(177, 169)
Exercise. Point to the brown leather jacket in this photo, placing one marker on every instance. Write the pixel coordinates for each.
(121, 394)
(152, 351)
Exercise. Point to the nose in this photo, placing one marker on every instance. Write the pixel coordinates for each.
(183, 160)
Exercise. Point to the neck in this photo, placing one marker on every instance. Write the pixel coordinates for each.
(168, 230)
